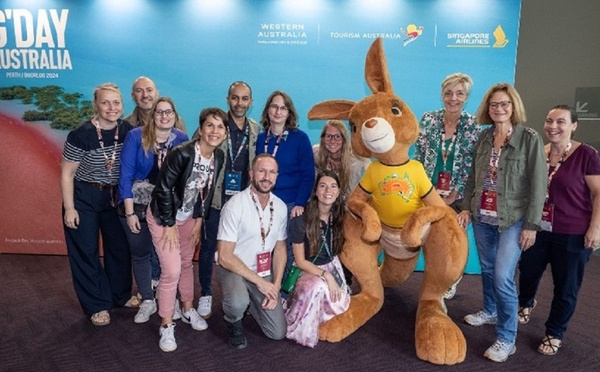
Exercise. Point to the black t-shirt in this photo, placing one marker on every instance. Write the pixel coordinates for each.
(298, 236)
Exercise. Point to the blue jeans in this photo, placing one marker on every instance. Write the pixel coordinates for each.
(499, 253)
(141, 248)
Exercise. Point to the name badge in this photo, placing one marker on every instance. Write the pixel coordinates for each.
(443, 183)
(547, 216)
(489, 206)
(233, 182)
(263, 264)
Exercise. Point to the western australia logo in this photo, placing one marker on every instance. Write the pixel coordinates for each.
(396, 185)
(477, 39)
(411, 33)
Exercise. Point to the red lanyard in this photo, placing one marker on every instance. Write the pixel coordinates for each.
(263, 234)
(108, 163)
(495, 156)
(553, 172)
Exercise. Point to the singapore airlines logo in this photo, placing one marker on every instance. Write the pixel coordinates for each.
(500, 36)
(411, 33)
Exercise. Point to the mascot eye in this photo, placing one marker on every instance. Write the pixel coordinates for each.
(396, 111)
(352, 127)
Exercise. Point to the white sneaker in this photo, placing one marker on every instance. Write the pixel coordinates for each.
(147, 308)
(480, 318)
(500, 351)
(205, 306)
(192, 317)
(177, 312)
(167, 338)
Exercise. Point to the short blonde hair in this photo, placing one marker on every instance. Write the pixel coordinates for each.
(457, 78)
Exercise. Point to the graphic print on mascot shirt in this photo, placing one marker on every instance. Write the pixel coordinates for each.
(396, 190)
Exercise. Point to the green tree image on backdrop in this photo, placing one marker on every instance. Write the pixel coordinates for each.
(63, 110)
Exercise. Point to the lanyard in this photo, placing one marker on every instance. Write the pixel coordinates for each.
(551, 174)
(108, 163)
(263, 234)
(268, 138)
(211, 171)
(239, 151)
(495, 156)
(446, 153)
(324, 242)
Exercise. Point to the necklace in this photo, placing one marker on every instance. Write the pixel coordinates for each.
(108, 162)
(551, 174)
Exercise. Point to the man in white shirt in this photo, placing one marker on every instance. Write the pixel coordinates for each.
(251, 245)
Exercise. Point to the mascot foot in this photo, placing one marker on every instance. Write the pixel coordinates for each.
(438, 339)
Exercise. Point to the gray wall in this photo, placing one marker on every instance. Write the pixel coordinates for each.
(558, 51)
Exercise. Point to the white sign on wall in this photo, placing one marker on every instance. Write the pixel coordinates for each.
(587, 103)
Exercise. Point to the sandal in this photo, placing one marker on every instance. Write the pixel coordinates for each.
(525, 313)
(101, 318)
(548, 347)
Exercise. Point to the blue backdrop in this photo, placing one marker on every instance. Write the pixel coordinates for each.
(312, 49)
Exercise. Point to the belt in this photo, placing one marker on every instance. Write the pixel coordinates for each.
(98, 185)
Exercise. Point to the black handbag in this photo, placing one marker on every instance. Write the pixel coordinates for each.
(138, 209)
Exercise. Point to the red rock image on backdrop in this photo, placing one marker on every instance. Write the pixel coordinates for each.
(30, 221)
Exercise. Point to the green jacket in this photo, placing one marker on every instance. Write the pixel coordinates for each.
(217, 201)
(522, 178)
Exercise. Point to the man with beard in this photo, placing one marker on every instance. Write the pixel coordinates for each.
(252, 254)
(239, 149)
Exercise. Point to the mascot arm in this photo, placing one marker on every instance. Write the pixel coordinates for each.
(358, 205)
(433, 199)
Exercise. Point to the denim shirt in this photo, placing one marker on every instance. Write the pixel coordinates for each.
(522, 178)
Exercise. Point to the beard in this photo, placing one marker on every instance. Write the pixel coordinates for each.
(263, 187)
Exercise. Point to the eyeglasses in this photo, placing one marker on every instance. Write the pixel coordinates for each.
(334, 137)
(501, 104)
(164, 112)
(274, 107)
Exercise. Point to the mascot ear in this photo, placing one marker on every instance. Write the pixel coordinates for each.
(333, 109)
(376, 70)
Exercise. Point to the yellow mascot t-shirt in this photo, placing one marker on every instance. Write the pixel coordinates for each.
(396, 191)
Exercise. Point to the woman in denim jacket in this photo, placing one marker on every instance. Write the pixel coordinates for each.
(504, 195)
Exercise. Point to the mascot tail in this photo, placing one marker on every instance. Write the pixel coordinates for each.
(416, 228)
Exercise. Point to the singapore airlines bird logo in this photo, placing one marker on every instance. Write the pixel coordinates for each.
(411, 33)
(500, 36)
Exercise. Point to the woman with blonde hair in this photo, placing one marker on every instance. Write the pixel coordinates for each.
(334, 152)
(144, 151)
(89, 175)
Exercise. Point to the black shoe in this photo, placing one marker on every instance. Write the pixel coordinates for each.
(235, 336)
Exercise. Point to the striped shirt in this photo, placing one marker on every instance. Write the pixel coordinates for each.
(82, 146)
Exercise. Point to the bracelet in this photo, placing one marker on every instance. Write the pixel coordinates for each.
(127, 215)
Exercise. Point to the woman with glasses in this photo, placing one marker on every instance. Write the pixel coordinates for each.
(89, 176)
(334, 153)
(571, 226)
(292, 149)
(144, 151)
(446, 142)
(504, 197)
(181, 200)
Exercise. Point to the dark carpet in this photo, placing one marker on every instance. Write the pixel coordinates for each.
(42, 328)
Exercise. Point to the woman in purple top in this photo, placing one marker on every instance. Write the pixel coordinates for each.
(571, 226)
